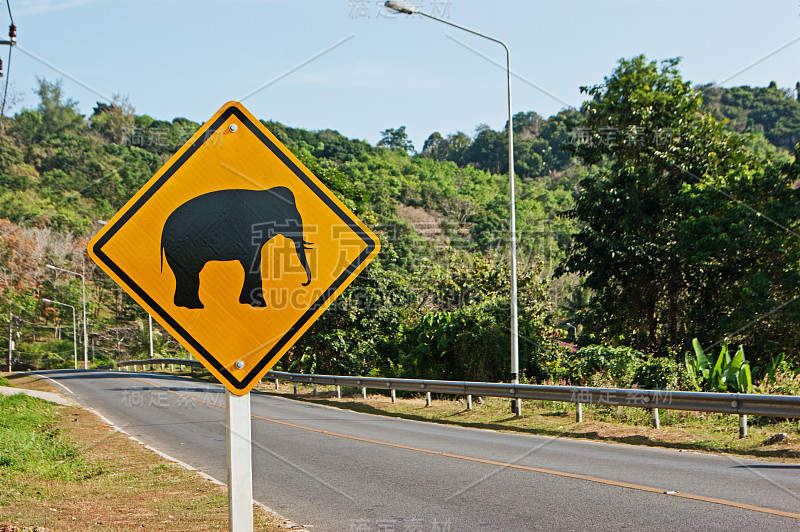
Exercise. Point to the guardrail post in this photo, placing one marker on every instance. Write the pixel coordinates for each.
(469, 402)
(427, 398)
(172, 368)
(295, 388)
(742, 425)
(315, 390)
(578, 412)
(338, 392)
(656, 418)
(364, 392)
(277, 385)
(394, 396)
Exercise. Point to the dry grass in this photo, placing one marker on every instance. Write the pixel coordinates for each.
(124, 486)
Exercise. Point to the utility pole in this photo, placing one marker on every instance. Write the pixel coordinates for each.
(12, 40)
(13, 324)
(10, 340)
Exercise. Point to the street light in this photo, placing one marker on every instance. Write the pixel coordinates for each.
(409, 9)
(85, 334)
(74, 330)
(574, 331)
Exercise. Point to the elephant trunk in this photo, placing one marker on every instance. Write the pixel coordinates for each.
(301, 246)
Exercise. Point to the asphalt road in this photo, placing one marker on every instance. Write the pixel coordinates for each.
(342, 471)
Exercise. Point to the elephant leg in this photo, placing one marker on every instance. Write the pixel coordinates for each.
(252, 292)
(187, 285)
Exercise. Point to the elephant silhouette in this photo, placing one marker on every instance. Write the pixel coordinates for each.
(229, 225)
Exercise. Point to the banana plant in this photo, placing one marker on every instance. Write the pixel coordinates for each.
(726, 375)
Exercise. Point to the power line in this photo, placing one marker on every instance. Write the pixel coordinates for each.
(63, 73)
(9, 11)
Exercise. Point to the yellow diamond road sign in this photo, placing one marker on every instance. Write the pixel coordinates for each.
(234, 247)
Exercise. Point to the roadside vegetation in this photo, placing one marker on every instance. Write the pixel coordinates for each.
(657, 218)
(61, 468)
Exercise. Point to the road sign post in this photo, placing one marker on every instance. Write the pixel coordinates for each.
(240, 477)
(235, 248)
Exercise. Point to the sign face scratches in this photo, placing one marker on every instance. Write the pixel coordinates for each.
(234, 247)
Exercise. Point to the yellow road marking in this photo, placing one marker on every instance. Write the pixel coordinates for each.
(577, 476)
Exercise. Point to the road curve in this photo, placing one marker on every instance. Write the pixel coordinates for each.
(340, 470)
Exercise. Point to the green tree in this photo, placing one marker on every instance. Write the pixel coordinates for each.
(396, 139)
(114, 122)
(435, 147)
(489, 150)
(53, 116)
(667, 171)
(770, 111)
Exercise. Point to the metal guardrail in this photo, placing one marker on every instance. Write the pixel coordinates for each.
(724, 403)
(787, 406)
(153, 362)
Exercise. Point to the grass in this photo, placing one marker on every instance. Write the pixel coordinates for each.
(33, 443)
(690, 431)
(62, 468)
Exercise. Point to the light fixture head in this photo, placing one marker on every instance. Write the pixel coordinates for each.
(401, 7)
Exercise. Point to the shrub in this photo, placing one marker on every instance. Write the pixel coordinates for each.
(597, 365)
(781, 379)
(657, 374)
(54, 354)
(103, 360)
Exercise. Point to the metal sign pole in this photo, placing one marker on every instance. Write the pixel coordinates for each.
(240, 474)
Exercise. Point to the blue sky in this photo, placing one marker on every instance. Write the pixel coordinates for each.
(188, 57)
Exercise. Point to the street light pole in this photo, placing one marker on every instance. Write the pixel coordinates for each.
(85, 330)
(409, 9)
(10, 338)
(574, 332)
(74, 330)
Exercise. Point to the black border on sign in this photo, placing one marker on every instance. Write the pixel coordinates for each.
(168, 173)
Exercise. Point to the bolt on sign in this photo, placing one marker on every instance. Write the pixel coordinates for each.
(235, 247)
